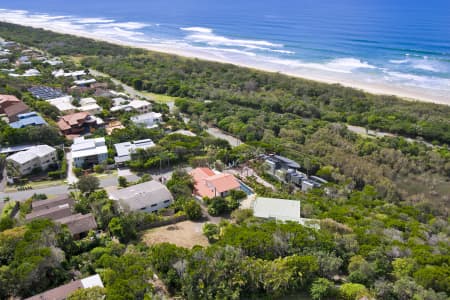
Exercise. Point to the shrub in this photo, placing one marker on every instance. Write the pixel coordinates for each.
(77, 171)
(240, 215)
(353, 291)
(211, 231)
(218, 206)
(99, 168)
(123, 182)
(193, 210)
(322, 288)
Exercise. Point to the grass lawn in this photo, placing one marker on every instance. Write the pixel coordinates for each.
(7, 209)
(37, 184)
(159, 97)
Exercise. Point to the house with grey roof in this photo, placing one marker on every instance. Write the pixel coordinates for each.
(149, 196)
(60, 210)
(88, 151)
(64, 291)
(148, 120)
(24, 162)
(124, 150)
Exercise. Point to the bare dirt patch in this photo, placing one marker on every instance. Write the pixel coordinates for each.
(185, 234)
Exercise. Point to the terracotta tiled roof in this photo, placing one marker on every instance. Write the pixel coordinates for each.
(223, 182)
(68, 121)
(202, 173)
(209, 184)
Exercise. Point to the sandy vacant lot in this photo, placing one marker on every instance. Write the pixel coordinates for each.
(184, 234)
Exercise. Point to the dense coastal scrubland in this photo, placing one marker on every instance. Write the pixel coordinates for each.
(383, 217)
(193, 78)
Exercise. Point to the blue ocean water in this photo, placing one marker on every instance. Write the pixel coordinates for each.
(394, 44)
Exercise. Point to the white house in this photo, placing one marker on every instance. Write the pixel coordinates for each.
(124, 150)
(90, 106)
(25, 162)
(139, 106)
(75, 74)
(63, 104)
(149, 120)
(278, 209)
(83, 82)
(88, 151)
(149, 196)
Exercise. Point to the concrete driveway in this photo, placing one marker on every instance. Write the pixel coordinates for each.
(71, 178)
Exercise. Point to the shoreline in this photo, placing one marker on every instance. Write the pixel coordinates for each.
(192, 52)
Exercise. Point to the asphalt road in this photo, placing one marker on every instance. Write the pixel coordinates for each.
(128, 89)
(106, 181)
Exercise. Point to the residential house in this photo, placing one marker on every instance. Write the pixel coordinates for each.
(149, 196)
(38, 205)
(53, 213)
(86, 152)
(7, 100)
(124, 150)
(53, 62)
(278, 209)
(64, 291)
(74, 74)
(77, 123)
(27, 73)
(149, 120)
(16, 109)
(28, 119)
(287, 171)
(139, 106)
(312, 182)
(24, 162)
(113, 125)
(208, 183)
(184, 132)
(14, 149)
(90, 106)
(277, 165)
(59, 209)
(23, 60)
(79, 224)
(45, 92)
(11, 107)
(84, 82)
(63, 104)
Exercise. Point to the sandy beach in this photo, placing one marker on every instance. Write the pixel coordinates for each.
(270, 65)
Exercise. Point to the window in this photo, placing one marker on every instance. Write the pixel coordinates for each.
(153, 205)
(166, 201)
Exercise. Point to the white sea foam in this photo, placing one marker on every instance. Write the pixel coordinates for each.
(197, 29)
(93, 20)
(125, 25)
(426, 67)
(218, 40)
(252, 53)
(340, 65)
(398, 61)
